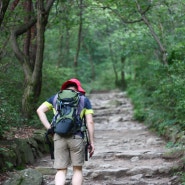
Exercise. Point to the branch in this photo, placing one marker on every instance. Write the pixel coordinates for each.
(23, 29)
(14, 35)
(145, 20)
(49, 5)
(123, 20)
(14, 4)
(147, 9)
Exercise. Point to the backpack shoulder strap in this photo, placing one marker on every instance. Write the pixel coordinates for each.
(55, 100)
(81, 104)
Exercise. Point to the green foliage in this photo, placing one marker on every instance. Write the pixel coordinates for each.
(137, 96)
(11, 91)
(157, 91)
(105, 80)
(160, 96)
(9, 165)
(181, 173)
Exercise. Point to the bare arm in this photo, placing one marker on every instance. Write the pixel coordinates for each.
(41, 111)
(90, 127)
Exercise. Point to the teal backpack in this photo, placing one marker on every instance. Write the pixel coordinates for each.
(68, 105)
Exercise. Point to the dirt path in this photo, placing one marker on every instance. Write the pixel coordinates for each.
(127, 153)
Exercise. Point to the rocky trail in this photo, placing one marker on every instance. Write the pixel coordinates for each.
(127, 153)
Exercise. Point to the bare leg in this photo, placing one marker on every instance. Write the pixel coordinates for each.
(60, 177)
(77, 175)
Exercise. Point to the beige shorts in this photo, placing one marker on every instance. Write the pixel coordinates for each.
(68, 150)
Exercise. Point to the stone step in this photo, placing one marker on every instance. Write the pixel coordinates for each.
(114, 169)
(134, 156)
(125, 172)
(120, 177)
(135, 180)
(126, 152)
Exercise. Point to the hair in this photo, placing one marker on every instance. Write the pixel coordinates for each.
(71, 85)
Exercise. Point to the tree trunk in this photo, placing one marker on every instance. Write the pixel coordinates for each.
(3, 7)
(123, 81)
(79, 37)
(61, 56)
(152, 31)
(64, 49)
(67, 48)
(113, 64)
(91, 61)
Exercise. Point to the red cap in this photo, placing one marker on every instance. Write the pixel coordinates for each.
(77, 82)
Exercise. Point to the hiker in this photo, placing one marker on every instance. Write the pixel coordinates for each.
(69, 149)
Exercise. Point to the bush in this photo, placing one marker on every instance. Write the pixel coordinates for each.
(158, 95)
(10, 99)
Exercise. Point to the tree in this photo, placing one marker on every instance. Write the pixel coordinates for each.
(130, 16)
(79, 34)
(32, 65)
(152, 31)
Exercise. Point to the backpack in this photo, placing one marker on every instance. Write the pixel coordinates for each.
(68, 105)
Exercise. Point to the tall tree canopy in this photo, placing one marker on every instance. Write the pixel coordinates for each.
(104, 43)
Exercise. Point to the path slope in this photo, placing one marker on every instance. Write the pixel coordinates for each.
(127, 153)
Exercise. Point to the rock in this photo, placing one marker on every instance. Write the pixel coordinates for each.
(25, 177)
(145, 170)
(19, 152)
(25, 151)
(136, 177)
(151, 141)
(174, 153)
(134, 159)
(46, 170)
